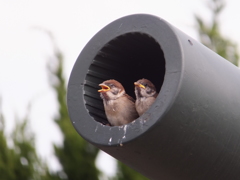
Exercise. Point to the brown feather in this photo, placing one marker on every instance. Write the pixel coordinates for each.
(146, 94)
(119, 106)
(130, 98)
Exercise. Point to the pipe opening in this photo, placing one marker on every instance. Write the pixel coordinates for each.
(126, 58)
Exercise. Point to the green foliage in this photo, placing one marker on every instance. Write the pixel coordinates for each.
(6, 165)
(76, 156)
(21, 161)
(210, 35)
(127, 173)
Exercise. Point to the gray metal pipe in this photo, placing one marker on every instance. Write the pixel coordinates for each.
(192, 131)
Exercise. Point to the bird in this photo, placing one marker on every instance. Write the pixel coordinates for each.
(146, 94)
(118, 105)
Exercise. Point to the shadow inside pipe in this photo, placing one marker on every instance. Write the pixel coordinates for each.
(127, 58)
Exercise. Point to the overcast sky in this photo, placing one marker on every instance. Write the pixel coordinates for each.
(25, 50)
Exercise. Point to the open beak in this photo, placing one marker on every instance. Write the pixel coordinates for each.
(104, 87)
(139, 85)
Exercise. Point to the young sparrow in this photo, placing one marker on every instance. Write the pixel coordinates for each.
(119, 107)
(145, 95)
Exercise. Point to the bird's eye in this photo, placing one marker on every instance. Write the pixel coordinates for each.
(111, 85)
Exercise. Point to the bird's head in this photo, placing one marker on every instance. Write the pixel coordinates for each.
(144, 88)
(111, 90)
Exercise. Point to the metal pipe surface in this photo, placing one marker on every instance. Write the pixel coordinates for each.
(192, 131)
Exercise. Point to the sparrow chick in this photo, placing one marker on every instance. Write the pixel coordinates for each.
(119, 107)
(145, 95)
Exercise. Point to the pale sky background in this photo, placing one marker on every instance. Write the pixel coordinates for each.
(25, 50)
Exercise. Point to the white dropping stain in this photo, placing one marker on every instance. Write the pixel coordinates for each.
(120, 127)
(125, 130)
(124, 135)
(96, 129)
(110, 140)
(120, 26)
(120, 141)
(142, 122)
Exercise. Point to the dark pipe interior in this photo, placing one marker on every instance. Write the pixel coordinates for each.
(126, 58)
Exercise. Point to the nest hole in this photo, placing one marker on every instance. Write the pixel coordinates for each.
(126, 58)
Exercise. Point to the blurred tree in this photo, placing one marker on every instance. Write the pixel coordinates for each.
(21, 161)
(210, 35)
(76, 156)
(6, 160)
(126, 173)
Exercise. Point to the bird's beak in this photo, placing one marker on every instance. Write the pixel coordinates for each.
(104, 87)
(139, 85)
